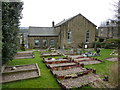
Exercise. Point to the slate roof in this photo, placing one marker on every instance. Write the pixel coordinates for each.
(64, 21)
(23, 29)
(110, 25)
(43, 31)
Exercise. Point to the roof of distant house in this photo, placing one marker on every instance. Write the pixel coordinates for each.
(106, 26)
(43, 31)
(23, 29)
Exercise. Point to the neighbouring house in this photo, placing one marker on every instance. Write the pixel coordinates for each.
(107, 31)
(43, 37)
(23, 35)
(70, 33)
(75, 32)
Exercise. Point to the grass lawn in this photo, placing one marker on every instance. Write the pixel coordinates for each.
(46, 80)
(103, 68)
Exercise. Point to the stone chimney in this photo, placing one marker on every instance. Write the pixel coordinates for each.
(53, 24)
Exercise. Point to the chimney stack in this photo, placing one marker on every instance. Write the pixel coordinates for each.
(53, 24)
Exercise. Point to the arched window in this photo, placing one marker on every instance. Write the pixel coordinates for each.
(87, 36)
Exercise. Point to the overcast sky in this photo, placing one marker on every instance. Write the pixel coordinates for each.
(42, 12)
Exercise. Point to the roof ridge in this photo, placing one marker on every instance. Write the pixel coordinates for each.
(64, 21)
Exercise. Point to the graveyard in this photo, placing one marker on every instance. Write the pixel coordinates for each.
(62, 70)
(77, 51)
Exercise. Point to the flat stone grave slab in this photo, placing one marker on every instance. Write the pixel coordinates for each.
(24, 55)
(50, 54)
(79, 81)
(65, 67)
(20, 72)
(112, 59)
(68, 71)
(53, 60)
(74, 56)
(82, 59)
(66, 52)
(87, 60)
(60, 65)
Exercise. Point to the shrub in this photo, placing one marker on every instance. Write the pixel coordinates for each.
(98, 44)
(22, 47)
(11, 14)
(101, 39)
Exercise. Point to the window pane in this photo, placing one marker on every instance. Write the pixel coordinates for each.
(69, 36)
(36, 42)
(52, 43)
(87, 36)
(44, 43)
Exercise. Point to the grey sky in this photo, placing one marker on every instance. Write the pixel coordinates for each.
(42, 12)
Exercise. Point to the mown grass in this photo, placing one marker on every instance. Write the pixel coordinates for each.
(47, 80)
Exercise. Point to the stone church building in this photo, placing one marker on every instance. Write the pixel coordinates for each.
(69, 33)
